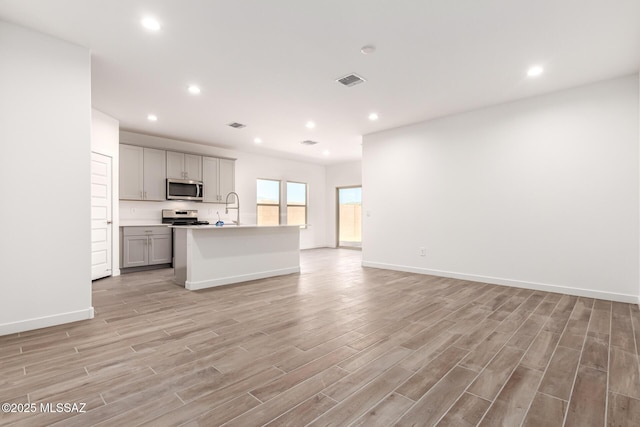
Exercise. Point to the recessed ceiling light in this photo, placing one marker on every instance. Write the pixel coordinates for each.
(366, 50)
(257, 141)
(326, 152)
(535, 71)
(193, 89)
(150, 24)
(152, 118)
(373, 117)
(310, 125)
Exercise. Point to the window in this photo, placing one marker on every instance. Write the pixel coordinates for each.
(296, 203)
(268, 202)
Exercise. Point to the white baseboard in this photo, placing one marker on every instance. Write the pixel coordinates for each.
(611, 296)
(44, 322)
(194, 286)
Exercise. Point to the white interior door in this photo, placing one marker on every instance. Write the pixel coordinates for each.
(101, 227)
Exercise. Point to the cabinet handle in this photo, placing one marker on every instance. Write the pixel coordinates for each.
(108, 222)
(141, 195)
(145, 194)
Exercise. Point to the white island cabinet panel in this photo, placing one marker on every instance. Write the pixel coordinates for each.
(208, 256)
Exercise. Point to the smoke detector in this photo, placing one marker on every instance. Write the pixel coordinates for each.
(366, 50)
(308, 142)
(351, 80)
(237, 125)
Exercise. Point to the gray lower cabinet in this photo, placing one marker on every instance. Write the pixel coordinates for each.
(142, 246)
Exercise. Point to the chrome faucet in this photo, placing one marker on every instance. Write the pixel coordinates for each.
(237, 207)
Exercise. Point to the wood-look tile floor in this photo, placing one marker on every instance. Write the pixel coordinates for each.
(336, 345)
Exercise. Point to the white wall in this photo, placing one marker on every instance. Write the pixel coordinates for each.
(249, 167)
(540, 193)
(105, 141)
(340, 175)
(45, 134)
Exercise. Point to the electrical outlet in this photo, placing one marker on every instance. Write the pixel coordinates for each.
(422, 251)
(210, 211)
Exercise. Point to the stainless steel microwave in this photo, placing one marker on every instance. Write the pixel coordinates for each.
(184, 189)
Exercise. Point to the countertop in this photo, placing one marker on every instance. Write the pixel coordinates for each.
(141, 224)
(212, 226)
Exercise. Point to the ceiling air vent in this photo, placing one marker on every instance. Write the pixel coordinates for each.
(308, 142)
(351, 80)
(237, 125)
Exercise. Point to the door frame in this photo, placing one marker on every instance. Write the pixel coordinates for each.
(356, 248)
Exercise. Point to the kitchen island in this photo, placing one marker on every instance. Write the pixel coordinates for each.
(206, 255)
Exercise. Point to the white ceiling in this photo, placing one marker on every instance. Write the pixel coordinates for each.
(272, 64)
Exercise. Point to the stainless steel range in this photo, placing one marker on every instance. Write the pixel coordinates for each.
(181, 217)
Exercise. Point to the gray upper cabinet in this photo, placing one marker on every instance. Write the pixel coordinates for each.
(155, 174)
(218, 177)
(142, 173)
(227, 179)
(210, 171)
(184, 166)
(193, 167)
(131, 177)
